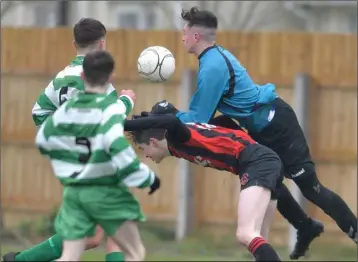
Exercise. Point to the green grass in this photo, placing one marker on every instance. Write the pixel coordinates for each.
(203, 247)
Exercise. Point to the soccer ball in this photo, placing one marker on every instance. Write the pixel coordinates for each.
(156, 64)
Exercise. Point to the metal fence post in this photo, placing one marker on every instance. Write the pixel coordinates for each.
(186, 181)
(301, 107)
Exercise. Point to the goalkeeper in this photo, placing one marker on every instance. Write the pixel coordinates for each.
(95, 163)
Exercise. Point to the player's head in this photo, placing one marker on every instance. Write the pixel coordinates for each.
(199, 31)
(89, 34)
(152, 142)
(98, 67)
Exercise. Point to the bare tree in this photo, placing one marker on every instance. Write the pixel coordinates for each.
(171, 11)
(237, 15)
(251, 15)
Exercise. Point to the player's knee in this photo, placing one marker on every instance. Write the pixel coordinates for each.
(310, 186)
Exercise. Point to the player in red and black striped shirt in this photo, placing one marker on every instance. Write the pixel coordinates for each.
(258, 167)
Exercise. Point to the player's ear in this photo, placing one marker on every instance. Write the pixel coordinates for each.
(197, 37)
(102, 44)
(111, 77)
(153, 142)
(75, 44)
(83, 76)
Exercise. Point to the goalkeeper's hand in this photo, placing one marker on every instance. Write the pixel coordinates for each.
(160, 108)
(164, 107)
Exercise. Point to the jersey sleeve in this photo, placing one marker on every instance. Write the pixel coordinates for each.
(124, 100)
(46, 104)
(131, 171)
(41, 141)
(128, 103)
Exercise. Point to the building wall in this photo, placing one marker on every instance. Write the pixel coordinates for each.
(233, 15)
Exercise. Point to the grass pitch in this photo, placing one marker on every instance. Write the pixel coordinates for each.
(160, 246)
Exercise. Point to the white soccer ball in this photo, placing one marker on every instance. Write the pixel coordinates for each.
(156, 64)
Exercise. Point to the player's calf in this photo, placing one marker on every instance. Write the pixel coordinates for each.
(111, 246)
(73, 250)
(128, 239)
(269, 216)
(253, 205)
(113, 251)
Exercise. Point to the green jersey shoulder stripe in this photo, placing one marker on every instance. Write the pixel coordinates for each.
(85, 142)
(65, 85)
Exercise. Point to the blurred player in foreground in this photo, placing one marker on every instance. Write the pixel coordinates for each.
(258, 167)
(223, 84)
(89, 34)
(93, 160)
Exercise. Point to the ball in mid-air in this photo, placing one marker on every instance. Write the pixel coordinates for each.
(156, 64)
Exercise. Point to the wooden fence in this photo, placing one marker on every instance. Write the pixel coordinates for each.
(31, 57)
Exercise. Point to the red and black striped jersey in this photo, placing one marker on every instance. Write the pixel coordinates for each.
(212, 146)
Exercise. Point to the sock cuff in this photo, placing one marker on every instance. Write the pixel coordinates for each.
(115, 256)
(56, 244)
(255, 244)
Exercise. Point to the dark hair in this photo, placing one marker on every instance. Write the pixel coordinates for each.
(87, 31)
(97, 67)
(200, 18)
(144, 136)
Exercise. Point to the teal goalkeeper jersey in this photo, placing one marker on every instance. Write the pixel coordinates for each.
(85, 142)
(66, 84)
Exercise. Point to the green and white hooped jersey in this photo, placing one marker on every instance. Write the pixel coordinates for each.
(66, 84)
(85, 142)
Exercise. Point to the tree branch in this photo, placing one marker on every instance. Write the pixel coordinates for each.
(261, 16)
(250, 13)
(168, 12)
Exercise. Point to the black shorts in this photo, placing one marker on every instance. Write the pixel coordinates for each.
(285, 136)
(260, 166)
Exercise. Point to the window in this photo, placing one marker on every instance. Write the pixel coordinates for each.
(135, 16)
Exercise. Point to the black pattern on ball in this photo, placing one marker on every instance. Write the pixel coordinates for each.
(148, 74)
(160, 68)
